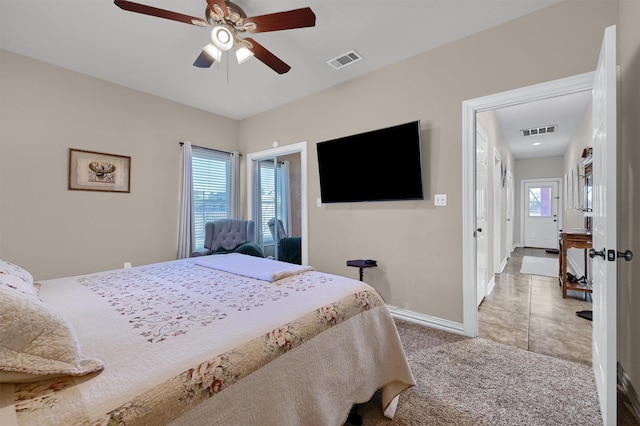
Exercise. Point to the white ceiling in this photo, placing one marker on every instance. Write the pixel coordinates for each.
(155, 55)
(563, 111)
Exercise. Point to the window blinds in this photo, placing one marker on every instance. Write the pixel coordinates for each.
(211, 188)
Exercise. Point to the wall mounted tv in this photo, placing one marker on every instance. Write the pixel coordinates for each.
(380, 165)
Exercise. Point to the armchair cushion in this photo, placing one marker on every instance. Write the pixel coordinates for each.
(228, 236)
(290, 250)
(228, 233)
(252, 249)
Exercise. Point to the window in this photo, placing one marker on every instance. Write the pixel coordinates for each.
(540, 201)
(211, 188)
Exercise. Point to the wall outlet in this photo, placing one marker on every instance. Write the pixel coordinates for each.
(127, 264)
(440, 200)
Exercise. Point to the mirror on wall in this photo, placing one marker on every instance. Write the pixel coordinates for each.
(277, 206)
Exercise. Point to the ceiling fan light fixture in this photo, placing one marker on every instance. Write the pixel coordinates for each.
(222, 37)
(243, 53)
(213, 51)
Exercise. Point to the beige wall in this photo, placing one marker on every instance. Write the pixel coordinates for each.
(418, 246)
(628, 184)
(575, 217)
(54, 232)
(488, 121)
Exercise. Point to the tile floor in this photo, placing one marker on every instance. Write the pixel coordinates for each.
(528, 311)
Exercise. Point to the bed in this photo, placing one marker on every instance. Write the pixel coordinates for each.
(225, 340)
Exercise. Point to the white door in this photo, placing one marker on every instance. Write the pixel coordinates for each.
(540, 214)
(509, 206)
(482, 245)
(604, 227)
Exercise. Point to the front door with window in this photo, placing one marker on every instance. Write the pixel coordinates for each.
(541, 214)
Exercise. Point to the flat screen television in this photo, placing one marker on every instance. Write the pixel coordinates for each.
(380, 165)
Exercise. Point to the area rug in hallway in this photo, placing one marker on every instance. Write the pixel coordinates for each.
(546, 266)
(475, 381)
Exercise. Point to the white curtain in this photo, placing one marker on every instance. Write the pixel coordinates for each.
(234, 185)
(186, 226)
(285, 194)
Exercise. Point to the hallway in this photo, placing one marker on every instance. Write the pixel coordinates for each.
(528, 311)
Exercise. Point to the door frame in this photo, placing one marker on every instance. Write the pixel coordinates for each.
(560, 87)
(524, 209)
(300, 147)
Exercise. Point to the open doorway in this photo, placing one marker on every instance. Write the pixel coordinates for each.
(566, 86)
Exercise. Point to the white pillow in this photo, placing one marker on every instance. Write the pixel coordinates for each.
(16, 277)
(36, 343)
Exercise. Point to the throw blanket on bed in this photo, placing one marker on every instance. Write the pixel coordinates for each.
(252, 267)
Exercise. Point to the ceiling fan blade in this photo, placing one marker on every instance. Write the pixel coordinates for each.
(160, 13)
(203, 60)
(267, 58)
(221, 4)
(297, 18)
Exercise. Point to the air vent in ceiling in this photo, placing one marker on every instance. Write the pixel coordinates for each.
(538, 130)
(345, 59)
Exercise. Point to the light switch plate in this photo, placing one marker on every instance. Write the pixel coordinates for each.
(440, 200)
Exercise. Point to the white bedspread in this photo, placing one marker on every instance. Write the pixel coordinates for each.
(252, 267)
(151, 324)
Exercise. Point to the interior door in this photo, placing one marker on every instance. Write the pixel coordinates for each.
(604, 227)
(482, 244)
(509, 206)
(541, 214)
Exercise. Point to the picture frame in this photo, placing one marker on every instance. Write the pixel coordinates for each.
(99, 171)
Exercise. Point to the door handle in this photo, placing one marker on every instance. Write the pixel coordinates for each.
(593, 253)
(626, 255)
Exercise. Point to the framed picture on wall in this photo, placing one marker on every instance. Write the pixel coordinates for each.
(97, 171)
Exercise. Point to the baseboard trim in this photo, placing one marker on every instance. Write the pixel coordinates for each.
(629, 391)
(491, 285)
(503, 264)
(426, 320)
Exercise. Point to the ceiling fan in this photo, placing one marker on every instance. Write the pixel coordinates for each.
(229, 21)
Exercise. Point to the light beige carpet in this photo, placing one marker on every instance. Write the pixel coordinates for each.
(464, 381)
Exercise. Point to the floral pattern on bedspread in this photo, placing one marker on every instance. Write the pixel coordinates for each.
(31, 397)
(166, 300)
(169, 401)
